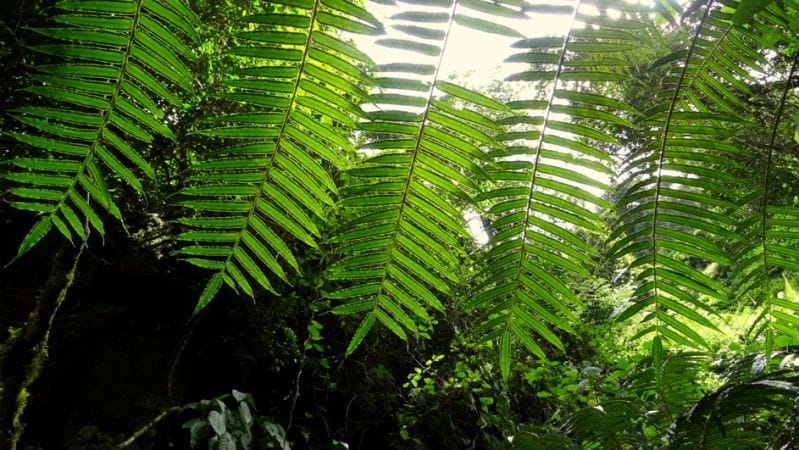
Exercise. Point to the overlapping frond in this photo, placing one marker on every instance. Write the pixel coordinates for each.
(611, 424)
(752, 409)
(678, 197)
(674, 382)
(550, 177)
(268, 183)
(118, 66)
(769, 236)
(401, 249)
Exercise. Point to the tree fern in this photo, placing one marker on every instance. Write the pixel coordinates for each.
(678, 197)
(548, 182)
(118, 66)
(301, 87)
(401, 250)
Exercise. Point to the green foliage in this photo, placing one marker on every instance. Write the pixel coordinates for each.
(117, 69)
(547, 192)
(767, 244)
(297, 91)
(227, 421)
(678, 194)
(452, 399)
(756, 407)
(304, 148)
(747, 9)
(269, 180)
(402, 243)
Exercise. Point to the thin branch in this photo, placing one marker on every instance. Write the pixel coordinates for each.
(296, 395)
(195, 318)
(148, 426)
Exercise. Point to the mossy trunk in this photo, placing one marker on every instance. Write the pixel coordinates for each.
(25, 351)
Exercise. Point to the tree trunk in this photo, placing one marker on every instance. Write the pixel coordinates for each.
(25, 351)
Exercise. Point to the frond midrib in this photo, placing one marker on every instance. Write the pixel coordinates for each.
(766, 293)
(539, 148)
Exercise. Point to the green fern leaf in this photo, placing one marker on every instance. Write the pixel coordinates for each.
(425, 142)
(271, 184)
(101, 103)
(768, 245)
(752, 408)
(677, 197)
(548, 186)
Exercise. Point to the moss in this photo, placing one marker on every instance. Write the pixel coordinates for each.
(22, 400)
(39, 355)
(33, 372)
(13, 335)
(16, 424)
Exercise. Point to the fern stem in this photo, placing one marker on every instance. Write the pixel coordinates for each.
(173, 367)
(296, 395)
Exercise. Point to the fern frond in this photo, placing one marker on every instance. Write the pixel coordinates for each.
(675, 382)
(401, 250)
(269, 184)
(119, 66)
(611, 423)
(770, 234)
(750, 410)
(679, 194)
(549, 182)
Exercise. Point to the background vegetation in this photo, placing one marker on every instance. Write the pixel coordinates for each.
(228, 227)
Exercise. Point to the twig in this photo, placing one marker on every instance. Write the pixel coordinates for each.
(347, 412)
(297, 380)
(148, 426)
(195, 318)
(19, 20)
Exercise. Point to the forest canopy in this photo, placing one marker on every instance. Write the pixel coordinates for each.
(276, 224)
